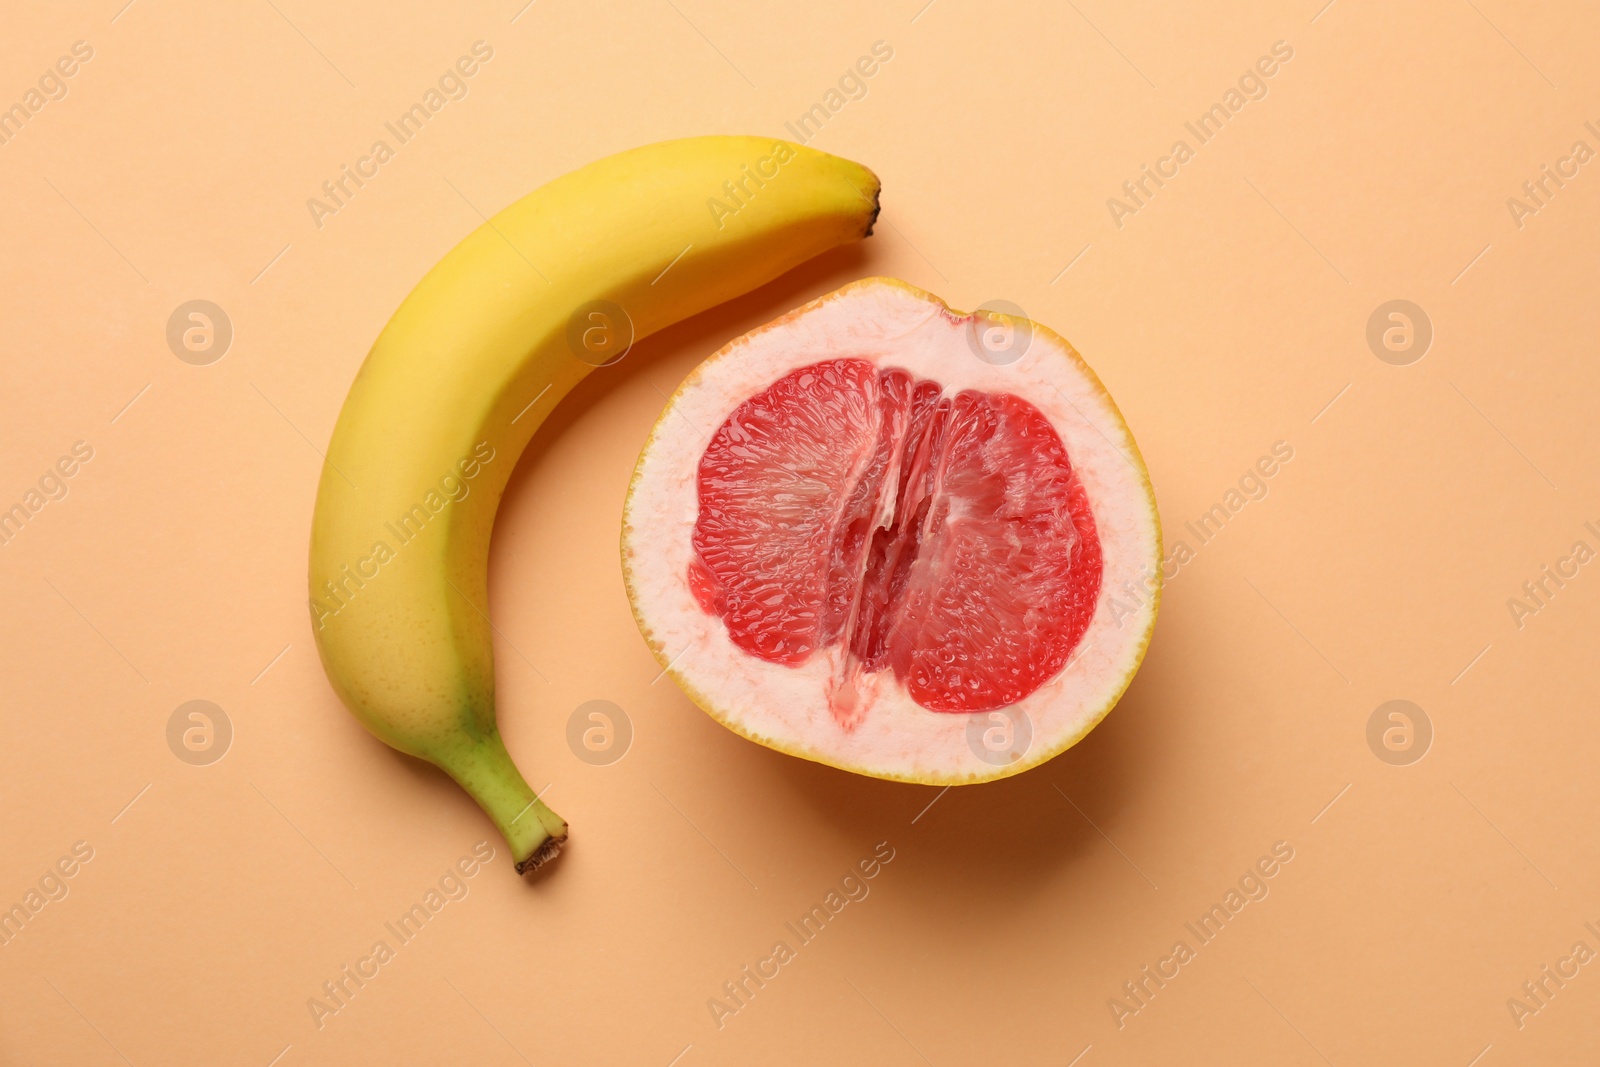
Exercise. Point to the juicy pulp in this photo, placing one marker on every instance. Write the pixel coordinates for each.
(943, 538)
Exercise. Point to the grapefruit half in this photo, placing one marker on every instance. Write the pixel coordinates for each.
(898, 539)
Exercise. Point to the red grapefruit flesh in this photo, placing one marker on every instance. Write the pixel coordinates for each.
(888, 547)
(943, 538)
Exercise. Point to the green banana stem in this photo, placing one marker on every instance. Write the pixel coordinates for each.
(485, 770)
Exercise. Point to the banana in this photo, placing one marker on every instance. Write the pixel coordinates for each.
(458, 382)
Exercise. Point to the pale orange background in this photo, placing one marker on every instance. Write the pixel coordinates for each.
(1224, 316)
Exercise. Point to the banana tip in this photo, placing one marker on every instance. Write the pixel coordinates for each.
(542, 855)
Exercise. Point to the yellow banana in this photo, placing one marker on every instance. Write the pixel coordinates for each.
(465, 372)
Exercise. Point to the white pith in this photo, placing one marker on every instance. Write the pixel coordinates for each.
(785, 707)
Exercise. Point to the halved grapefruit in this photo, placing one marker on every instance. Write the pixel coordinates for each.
(894, 538)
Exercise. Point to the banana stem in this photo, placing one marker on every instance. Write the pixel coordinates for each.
(484, 769)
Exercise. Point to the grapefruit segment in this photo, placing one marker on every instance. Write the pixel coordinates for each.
(888, 542)
(942, 538)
